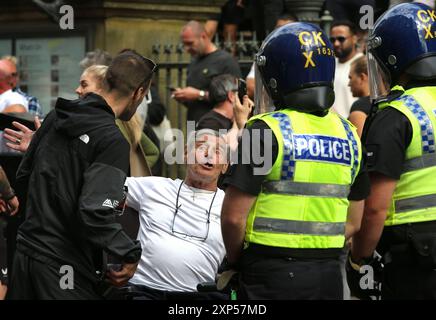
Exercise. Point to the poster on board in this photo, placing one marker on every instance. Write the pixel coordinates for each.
(5, 47)
(49, 67)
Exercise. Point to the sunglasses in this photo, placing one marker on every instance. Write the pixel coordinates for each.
(148, 98)
(341, 39)
(151, 65)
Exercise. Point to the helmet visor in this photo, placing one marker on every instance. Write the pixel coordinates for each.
(379, 79)
(262, 100)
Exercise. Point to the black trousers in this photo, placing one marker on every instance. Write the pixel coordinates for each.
(32, 279)
(409, 253)
(408, 283)
(140, 292)
(290, 279)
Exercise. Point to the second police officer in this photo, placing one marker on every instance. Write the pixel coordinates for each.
(400, 214)
(285, 228)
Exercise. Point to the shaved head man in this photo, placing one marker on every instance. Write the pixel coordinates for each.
(208, 61)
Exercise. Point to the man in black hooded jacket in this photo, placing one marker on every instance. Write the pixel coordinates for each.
(74, 170)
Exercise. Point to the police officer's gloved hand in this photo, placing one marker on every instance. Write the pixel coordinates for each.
(364, 278)
(227, 276)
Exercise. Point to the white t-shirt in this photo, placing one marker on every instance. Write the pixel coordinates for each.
(343, 96)
(10, 97)
(170, 261)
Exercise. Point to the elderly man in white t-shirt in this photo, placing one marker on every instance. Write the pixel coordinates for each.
(180, 230)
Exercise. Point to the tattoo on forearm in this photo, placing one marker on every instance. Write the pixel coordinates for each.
(5, 188)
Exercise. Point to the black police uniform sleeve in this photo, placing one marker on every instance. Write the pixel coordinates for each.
(361, 186)
(387, 139)
(103, 185)
(241, 175)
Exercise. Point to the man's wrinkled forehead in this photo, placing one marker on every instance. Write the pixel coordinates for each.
(206, 137)
(210, 139)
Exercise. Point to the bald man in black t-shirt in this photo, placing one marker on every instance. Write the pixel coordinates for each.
(208, 62)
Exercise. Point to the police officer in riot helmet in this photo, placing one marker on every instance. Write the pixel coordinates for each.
(399, 218)
(286, 218)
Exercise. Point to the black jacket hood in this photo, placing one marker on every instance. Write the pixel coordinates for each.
(76, 117)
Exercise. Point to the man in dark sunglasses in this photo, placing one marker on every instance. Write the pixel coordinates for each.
(344, 39)
(341, 39)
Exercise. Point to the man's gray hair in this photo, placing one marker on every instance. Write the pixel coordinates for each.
(220, 86)
(193, 136)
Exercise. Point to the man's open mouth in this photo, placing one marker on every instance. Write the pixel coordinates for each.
(208, 165)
